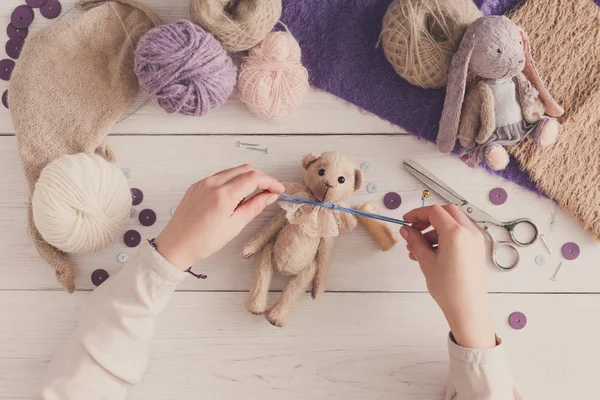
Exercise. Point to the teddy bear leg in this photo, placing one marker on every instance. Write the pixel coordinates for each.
(496, 156)
(298, 285)
(546, 132)
(259, 293)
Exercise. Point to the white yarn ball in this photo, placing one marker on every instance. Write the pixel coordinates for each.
(80, 203)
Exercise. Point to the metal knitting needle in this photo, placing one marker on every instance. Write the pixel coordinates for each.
(265, 150)
(545, 244)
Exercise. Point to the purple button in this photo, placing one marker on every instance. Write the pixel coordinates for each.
(51, 9)
(498, 196)
(99, 276)
(132, 238)
(15, 33)
(392, 200)
(517, 320)
(13, 48)
(147, 217)
(5, 98)
(22, 17)
(137, 196)
(571, 251)
(6, 69)
(35, 3)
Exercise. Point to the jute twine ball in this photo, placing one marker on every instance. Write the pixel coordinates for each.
(272, 80)
(419, 37)
(80, 203)
(238, 24)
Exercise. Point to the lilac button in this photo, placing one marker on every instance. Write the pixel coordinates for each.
(99, 276)
(571, 251)
(15, 33)
(137, 196)
(392, 200)
(22, 17)
(6, 69)
(51, 9)
(147, 217)
(35, 3)
(5, 98)
(517, 320)
(498, 196)
(13, 48)
(132, 238)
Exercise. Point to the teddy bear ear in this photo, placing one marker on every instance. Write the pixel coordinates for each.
(358, 179)
(309, 159)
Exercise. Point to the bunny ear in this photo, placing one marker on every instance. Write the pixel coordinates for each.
(551, 107)
(455, 92)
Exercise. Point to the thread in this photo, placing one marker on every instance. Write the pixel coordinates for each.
(80, 203)
(272, 80)
(419, 37)
(238, 24)
(184, 68)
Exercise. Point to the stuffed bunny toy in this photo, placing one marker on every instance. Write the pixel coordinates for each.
(507, 102)
(299, 240)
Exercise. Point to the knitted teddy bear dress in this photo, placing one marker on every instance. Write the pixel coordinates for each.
(72, 82)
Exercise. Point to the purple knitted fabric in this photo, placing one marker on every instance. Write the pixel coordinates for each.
(338, 40)
(185, 68)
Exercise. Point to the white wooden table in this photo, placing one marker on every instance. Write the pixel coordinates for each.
(376, 334)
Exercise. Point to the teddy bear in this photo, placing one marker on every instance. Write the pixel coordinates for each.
(299, 240)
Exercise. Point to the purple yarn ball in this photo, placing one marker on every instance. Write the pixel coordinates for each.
(184, 68)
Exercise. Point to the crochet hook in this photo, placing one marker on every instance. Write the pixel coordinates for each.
(296, 199)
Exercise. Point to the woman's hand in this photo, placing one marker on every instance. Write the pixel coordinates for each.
(211, 213)
(454, 270)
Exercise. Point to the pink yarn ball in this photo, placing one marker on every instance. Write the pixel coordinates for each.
(272, 81)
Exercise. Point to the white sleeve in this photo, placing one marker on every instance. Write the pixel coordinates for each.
(109, 350)
(480, 374)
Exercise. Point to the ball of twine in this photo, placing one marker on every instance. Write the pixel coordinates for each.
(238, 24)
(80, 203)
(184, 68)
(272, 80)
(419, 37)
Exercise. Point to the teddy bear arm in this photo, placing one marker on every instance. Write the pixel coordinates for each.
(478, 119)
(322, 265)
(260, 240)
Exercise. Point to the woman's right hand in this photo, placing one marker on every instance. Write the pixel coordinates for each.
(454, 270)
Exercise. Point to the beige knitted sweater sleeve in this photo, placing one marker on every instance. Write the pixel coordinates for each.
(109, 351)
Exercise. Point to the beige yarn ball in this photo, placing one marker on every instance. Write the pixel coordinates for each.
(419, 37)
(80, 203)
(238, 24)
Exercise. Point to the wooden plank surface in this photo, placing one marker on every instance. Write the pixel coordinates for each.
(343, 346)
(163, 167)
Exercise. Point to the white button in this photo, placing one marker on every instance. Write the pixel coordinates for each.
(372, 187)
(132, 213)
(126, 172)
(365, 167)
(540, 260)
(122, 258)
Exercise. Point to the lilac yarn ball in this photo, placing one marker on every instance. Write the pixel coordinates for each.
(184, 68)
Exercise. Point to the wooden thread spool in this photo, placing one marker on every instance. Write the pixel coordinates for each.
(383, 234)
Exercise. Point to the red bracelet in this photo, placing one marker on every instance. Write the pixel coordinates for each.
(189, 270)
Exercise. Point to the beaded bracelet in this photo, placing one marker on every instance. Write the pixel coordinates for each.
(189, 270)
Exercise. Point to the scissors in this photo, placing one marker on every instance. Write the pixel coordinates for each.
(479, 217)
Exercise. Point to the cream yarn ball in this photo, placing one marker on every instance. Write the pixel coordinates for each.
(80, 203)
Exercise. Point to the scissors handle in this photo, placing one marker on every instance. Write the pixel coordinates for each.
(496, 245)
(512, 225)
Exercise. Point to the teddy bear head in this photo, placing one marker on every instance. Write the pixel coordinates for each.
(331, 177)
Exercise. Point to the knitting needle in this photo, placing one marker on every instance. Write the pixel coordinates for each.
(296, 199)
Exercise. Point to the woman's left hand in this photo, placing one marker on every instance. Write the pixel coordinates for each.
(211, 214)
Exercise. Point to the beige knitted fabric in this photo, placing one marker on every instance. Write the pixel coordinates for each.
(565, 36)
(73, 80)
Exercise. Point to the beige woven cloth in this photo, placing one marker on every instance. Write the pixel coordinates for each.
(565, 38)
(73, 80)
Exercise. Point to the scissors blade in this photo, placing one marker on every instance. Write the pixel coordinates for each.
(434, 183)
